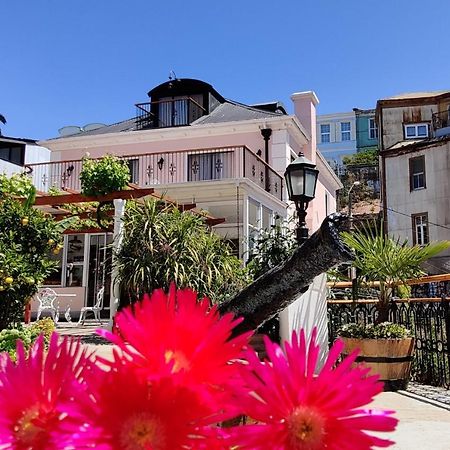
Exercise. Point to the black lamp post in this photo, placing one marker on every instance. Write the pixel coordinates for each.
(301, 179)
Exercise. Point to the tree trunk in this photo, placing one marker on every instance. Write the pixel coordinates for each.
(275, 290)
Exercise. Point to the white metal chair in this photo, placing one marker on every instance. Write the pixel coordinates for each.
(46, 298)
(98, 305)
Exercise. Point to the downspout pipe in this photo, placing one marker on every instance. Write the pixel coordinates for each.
(266, 134)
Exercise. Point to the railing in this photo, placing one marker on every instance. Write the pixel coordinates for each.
(168, 113)
(429, 320)
(164, 168)
(441, 119)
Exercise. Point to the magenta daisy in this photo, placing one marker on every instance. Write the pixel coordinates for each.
(133, 414)
(177, 336)
(40, 394)
(299, 409)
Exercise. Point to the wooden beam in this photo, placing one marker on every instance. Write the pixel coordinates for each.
(211, 221)
(53, 200)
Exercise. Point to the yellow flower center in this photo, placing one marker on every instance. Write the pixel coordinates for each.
(142, 431)
(179, 358)
(306, 429)
(29, 430)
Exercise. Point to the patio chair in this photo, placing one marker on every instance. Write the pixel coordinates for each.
(98, 305)
(46, 298)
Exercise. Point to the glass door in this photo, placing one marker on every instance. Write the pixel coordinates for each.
(99, 273)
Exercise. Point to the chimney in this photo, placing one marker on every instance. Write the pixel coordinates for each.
(305, 109)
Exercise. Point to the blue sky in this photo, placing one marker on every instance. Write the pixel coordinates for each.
(73, 62)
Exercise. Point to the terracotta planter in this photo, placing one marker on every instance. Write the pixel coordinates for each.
(390, 358)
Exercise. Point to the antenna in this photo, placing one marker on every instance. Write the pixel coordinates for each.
(172, 75)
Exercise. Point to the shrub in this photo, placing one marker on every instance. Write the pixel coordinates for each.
(27, 237)
(103, 176)
(162, 245)
(28, 334)
(384, 330)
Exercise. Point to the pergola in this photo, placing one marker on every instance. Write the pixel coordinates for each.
(54, 205)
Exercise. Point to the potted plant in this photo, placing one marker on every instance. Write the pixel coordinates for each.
(386, 347)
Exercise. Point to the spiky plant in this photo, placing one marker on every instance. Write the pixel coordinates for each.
(387, 260)
(161, 244)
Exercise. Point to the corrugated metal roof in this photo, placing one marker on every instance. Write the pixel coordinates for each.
(417, 143)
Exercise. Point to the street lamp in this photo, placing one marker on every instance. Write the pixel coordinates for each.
(301, 179)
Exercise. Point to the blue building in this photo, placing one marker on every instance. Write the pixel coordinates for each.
(336, 137)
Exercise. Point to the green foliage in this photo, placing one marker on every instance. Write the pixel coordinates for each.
(103, 176)
(384, 330)
(367, 157)
(404, 291)
(27, 237)
(44, 326)
(90, 208)
(271, 247)
(161, 244)
(389, 261)
(17, 184)
(29, 334)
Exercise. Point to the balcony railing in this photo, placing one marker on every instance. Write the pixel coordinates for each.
(441, 119)
(153, 169)
(168, 113)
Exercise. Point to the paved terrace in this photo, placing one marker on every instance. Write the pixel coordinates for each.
(423, 411)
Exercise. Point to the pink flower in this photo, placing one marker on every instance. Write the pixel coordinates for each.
(299, 410)
(40, 394)
(133, 414)
(179, 337)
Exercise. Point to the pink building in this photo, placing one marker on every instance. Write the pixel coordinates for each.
(197, 147)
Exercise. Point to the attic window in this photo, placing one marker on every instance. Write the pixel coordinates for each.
(416, 130)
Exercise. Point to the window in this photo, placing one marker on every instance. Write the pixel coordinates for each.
(417, 177)
(345, 131)
(325, 133)
(373, 130)
(133, 165)
(210, 166)
(416, 130)
(14, 153)
(420, 228)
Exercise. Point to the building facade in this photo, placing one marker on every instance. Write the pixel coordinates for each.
(16, 153)
(415, 167)
(366, 129)
(196, 147)
(336, 137)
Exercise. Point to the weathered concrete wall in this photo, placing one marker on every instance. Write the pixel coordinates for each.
(394, 119)
(434, 199)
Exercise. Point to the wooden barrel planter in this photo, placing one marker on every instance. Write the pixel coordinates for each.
(390, 358)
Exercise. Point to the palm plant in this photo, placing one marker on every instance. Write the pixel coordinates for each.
(161, 244)
(389, 261)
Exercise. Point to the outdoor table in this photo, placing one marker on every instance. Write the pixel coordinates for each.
(67, 311)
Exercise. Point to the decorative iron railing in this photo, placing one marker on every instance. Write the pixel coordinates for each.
(429, 320)
(162, 168)
(168, 113)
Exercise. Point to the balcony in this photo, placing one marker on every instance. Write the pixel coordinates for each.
(441, 123)
(167, 168)
(177, 112)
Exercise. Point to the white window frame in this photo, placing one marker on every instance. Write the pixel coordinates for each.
(416, 126)
(421, 229)
(373, 129)
(326, 133)
(349, 131)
